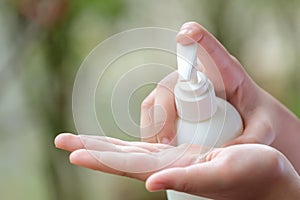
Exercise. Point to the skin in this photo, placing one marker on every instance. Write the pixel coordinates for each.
(247, 171)
(266, 120)
(244, 168)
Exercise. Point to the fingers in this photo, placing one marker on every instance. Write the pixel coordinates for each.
(158, 113)
(222, 68)
(148, 134)
(72, 142)
(119, 163)
(193, 31)
(110, 155)
(68, 142)
(135, 164)
(90, 159)
(132, 159)
(197, 179)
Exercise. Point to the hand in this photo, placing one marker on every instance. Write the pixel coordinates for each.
(266, 121)
(249, 171)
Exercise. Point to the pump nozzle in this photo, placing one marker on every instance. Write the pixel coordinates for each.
(187, 62)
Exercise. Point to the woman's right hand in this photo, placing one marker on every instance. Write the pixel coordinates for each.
(266, 121)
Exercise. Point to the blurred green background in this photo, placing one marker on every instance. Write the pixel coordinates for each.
(43, 42)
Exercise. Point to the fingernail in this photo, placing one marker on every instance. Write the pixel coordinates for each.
(184, 31)
(185, 36)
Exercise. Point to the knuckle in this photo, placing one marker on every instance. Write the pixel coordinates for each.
(146, 104)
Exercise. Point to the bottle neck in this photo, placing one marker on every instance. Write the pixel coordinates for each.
(195, 100)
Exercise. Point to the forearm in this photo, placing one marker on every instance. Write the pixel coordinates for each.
(287, 131)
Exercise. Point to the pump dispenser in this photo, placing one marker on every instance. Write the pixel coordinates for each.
(203, 118)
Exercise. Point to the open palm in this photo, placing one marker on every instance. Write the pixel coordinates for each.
(248, 171)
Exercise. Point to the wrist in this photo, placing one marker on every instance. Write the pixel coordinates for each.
(283, 190)
(286, 182)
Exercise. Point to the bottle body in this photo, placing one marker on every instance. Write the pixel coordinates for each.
(204, 119)
(223, 126)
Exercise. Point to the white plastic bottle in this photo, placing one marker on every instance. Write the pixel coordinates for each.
(204, 119)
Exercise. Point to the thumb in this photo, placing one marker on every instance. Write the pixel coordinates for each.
(200, 179)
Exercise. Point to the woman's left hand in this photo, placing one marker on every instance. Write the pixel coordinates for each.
(246, 171)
